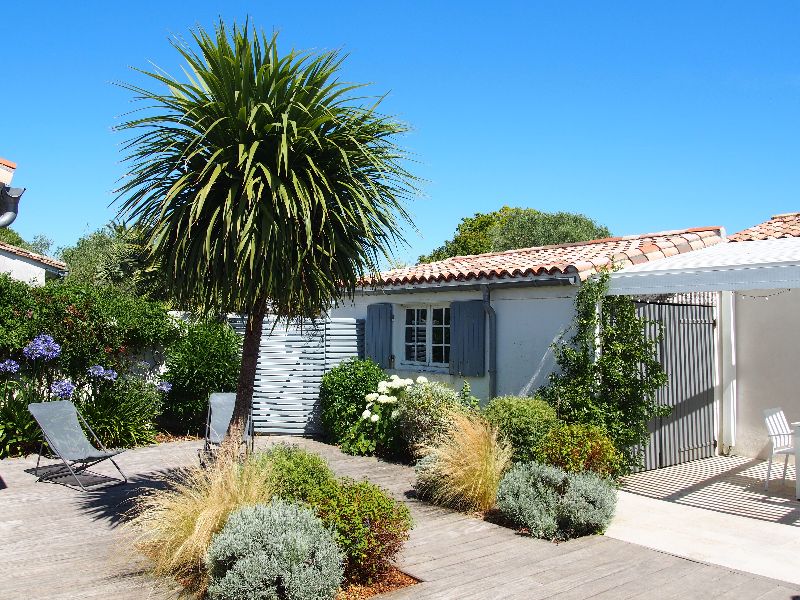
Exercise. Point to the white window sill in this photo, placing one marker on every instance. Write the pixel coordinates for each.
(440, 369)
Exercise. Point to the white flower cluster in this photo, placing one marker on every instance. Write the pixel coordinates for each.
(382, 396)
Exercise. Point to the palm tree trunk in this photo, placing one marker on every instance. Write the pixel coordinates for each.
(247, 375)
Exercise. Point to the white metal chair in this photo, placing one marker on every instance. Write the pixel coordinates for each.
(781, 439)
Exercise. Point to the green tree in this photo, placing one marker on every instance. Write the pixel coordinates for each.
(263, 182)
(511, 228)
(114, 256)
(609, 372)
(40, 244)
(526, 227)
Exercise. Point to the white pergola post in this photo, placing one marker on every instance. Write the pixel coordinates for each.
(727, 357)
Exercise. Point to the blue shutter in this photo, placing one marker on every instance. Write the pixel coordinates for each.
(378, 334)
(467, 339)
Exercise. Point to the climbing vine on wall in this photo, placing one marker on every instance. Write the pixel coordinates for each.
(609, 370)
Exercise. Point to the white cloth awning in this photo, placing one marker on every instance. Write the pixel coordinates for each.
(755, 265)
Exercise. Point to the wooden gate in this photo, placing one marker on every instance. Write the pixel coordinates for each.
(686, 352)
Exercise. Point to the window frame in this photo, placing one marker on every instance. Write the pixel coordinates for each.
(429, 344)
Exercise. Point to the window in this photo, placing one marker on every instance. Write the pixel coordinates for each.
(427, 335)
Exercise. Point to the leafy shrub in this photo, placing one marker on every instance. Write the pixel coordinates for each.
(522, 422)
(205, 359)
(342, 393)
(551, 503)
(279, 551)
(424, 415)
(297, 475)
(19, 432)
(464, 467)
(370, 526)
(577, 448)
(122, 412)
(16, 312)
(174, 526)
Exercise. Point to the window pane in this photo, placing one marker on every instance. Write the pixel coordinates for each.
(447, 316)
(447, 335)
(422, 316)
(409, 334)
(409, 316)
(422, 334)
(410, 354)
(446, 354)
(438, 317)
(438, 335)
(437, 354)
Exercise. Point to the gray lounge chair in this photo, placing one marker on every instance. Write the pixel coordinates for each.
(220, 413)
(61, 424)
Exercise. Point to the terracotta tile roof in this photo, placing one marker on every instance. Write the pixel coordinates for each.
(779, 226)
(8, 163)
(45, 260)
(581, 258)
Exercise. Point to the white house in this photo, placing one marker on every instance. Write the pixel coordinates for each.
(491, 318)
(29, 267)
(756, 277)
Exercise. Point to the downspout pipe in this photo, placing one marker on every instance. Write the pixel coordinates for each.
(9, 204)
(490, 312)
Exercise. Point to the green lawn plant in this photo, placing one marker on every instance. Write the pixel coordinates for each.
(262, 181)
(522, 421)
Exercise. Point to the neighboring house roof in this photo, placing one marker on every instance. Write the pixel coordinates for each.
(780, 226)
(7, 163)
(50, 264)
(580, 259)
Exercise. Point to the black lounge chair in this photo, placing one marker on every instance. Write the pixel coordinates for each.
(220, 413)
(61, 424)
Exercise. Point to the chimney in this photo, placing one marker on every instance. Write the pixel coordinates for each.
(7, 169)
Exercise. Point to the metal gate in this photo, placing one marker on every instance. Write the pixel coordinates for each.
(291, 362)
(686, 352)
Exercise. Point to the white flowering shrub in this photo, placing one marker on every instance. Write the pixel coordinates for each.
(400, 416)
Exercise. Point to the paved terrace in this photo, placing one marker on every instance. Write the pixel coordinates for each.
(60, 543)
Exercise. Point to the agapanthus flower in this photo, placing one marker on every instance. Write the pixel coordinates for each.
(96, 371)
(42, 346)
(9, 366)
(110, 375)
(164, 387)
(62, 388)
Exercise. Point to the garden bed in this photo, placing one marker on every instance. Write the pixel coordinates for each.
(394, 580)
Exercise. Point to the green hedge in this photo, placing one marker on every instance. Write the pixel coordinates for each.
(342, 394)
(522, 421)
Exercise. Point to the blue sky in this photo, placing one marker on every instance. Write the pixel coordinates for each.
(645, 116)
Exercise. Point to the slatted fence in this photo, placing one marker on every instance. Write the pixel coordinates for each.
(292, 360)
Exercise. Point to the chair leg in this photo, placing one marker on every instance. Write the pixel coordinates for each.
(769, 471)
(785, 465)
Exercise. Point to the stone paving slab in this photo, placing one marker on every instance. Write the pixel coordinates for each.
(58, 543)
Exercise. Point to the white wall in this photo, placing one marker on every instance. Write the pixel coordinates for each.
(22, 269)
(529, 320)
(767, 363)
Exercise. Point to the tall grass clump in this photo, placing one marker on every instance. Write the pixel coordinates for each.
(173, 527)
(463, 470)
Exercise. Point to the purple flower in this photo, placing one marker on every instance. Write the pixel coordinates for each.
(9, 366)
(63, 388)
(42, 346)
(164, 387)
(96, 371)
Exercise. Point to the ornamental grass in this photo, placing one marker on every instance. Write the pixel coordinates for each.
(464, 469)
(174, 526)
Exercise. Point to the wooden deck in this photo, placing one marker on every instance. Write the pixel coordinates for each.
(60, 543)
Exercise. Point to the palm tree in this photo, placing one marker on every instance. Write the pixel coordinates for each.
(265, 185)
